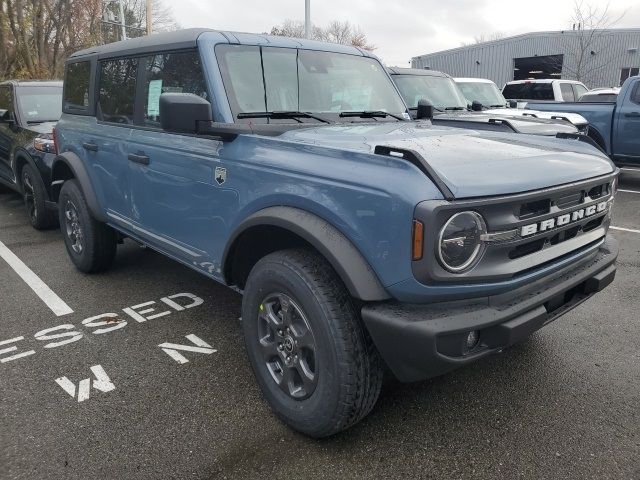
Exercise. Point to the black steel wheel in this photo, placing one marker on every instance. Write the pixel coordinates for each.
(314, 361)
(34, 196)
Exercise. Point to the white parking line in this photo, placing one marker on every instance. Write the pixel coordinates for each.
(625, 229)
(53, 301)
(627, 191)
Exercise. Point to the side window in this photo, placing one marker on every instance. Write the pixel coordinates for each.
(579, 90)
(567, 92)
(170, 72)
(635, 95)
(117, 90)
(76, 87)
(6, 102)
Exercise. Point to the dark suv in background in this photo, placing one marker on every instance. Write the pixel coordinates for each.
(28, 113)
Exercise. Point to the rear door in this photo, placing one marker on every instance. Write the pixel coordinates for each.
(175, 199)
(627, 126)
(7, 131)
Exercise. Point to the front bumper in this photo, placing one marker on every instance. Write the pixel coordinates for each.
(423, 341)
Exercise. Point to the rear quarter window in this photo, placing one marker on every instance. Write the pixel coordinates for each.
(77, 87)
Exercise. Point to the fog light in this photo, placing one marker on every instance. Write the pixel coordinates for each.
(472, 341)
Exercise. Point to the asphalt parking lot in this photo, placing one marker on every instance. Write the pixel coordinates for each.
(161, 405)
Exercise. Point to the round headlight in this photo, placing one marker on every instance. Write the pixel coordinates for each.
(460, 243)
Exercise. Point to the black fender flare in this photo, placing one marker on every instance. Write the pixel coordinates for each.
(22, 156)
(354, 270)
(79, 171)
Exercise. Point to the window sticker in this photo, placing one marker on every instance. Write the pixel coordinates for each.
(153, 101)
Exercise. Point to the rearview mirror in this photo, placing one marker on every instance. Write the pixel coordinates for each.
(476, 106)
(425, 110)
(182, 112)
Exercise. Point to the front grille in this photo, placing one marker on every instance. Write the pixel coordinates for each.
(514, 252)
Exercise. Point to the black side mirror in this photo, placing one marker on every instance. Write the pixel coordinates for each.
(182, 112)
(513, 104)
(425, 110)
(476, 106)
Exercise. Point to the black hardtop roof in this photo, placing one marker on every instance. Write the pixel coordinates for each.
(178, 39)
(416, 71)
(185, 39)
(33, 83)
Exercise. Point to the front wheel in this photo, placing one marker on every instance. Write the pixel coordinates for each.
(91, 244)
(314, 361)
(34, 195)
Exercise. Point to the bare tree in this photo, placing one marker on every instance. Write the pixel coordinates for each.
(336, 32)
(483, 38)
(36, 36)
(581, 45)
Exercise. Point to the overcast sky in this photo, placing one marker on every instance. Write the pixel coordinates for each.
(400, 29)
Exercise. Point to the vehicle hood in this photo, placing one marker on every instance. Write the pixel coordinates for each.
(37, 128)
(471, 163)
(578, 120)
(523, 124)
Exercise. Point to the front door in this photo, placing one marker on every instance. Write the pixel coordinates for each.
(627, 128)
(175, 198)
(7, 132)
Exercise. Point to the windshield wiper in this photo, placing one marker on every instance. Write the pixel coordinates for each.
(455, 108)
(371, 114)
(282, 114)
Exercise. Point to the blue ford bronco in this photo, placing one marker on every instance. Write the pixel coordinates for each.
(291, 171)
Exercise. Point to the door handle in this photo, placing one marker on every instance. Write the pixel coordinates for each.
(139, 158)
(92, 147)
(632, 114)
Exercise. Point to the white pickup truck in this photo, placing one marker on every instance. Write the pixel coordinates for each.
(486, 93)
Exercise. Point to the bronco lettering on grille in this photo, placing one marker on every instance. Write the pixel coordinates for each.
(565, 219)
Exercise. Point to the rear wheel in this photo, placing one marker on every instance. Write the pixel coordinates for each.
(314, 361)
(91, 244)
(34, 195)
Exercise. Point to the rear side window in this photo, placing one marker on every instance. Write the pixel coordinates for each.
(635, 95)
(76, 87)
(117, 90)
(567, 92)
(170, 72)
(579, 90)
(528, 91)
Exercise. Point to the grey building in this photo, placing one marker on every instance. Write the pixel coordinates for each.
(603, 58)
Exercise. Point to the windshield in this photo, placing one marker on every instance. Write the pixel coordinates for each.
(485, 93)
(442, 92)
(39, 104)
(270, 79)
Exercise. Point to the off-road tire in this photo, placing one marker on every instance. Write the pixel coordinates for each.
(349, 367)
(99, 241)
(34, 196)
